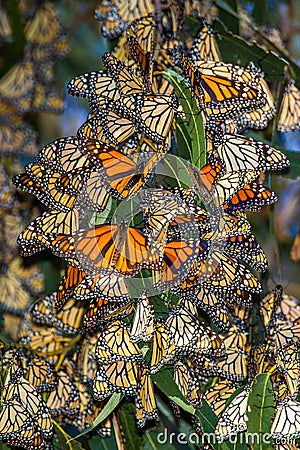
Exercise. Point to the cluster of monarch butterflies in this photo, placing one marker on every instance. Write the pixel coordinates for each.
(28, 85)
(157, 277)
(25, 87)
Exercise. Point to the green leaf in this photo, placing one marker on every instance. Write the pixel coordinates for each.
(127, 417)
(102, 216)
(4, 447)
(175, 169)
(228, 14)
(108, 408)
(236, 50)
(165, 382)
(262, 409)
(52, 274)
(65, 441)
(99, 443)
(208, 420)
(190, 129)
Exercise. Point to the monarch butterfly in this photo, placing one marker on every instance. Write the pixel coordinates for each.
(26, 434)
(258, 118)
(36, 370)
(129, 86)
(22, 402)
(120, 174)
(89, 410)
(111, 287)
(188, 384)
(233, 419)
(55, 190)
(140, 36)
(102, 310)
(205, 366)
(217, 188)
(241, 313)
(260, 358)
(35, 236)
(157, 115)
(289, 308)
(14, 297)
(160, 346)
(183, 328)
(219, 272)
(94, 196)
(207, 176)
(72, 277)
(241, 153)
(180, 334)
(286, 423)
(235, 360)
(213, 305)
(25, 183)
(285, 332)
(17, 138)
(17, 86)
(151, 113)
(205, 47)
(178, 260)
(119, 376)
(67, 320)
(223, 90)
(235, 337)
(239, 296)
(288, 363)
(234, 364)
(143, 323)
(84, 359)
(114, 344)
(246, 247)
(30, 276)
(109, 127)
(269, 305)
(98, 87)
(145, 404)
(203, 340)
(226, 226)
(108, 248)
(116, 15)
(289, 113)
(45, 28)
(63, 155)
(159, 208)
(65, 398)
(218, 394)
(251, 196)
(46, 341)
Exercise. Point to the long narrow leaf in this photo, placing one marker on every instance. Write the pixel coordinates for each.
(190, 128)
(112, 403)
(261, 410)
